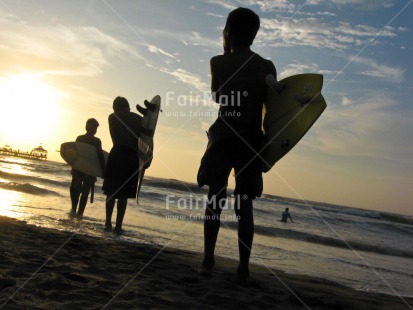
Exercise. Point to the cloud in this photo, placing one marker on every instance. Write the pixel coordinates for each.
(319, 33)
(197, 39)
(188, 78)
(85, 98)
(297, 32)
(298, 68)
(355, 4)
(346, 101)
(265, 6)
(392, 74)
(225, 4)
(58, 50)
(367, 128)
(286, 6)
(191, 38)
(293, 69)
(215, 15)
(159, 51)
(271, 5)
(364, 30)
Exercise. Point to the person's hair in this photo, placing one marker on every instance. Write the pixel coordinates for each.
(91, 123)
(242, 26)
(120, 104)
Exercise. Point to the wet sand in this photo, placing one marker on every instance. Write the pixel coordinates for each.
(50, 269)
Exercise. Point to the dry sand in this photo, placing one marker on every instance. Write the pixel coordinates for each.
(50, 269)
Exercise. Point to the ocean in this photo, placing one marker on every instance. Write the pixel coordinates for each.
(366, 250)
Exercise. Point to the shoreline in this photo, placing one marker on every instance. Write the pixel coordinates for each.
(45, 268)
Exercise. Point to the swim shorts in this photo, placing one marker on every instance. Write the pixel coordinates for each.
(239, 153)
(122, 173)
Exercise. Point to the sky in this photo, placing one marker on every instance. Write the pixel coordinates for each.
(63, 62)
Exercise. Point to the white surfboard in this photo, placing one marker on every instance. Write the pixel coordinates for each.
(292, 106)
(145, 142)
(83, 157)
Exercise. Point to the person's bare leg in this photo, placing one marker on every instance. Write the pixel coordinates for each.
(216, 196)
(110, 204)
(87, 186)
(75, 190)
(121, 209)
(245, 234)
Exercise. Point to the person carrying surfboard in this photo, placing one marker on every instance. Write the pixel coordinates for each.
(122, 169)
(82, 184)
(238, 84)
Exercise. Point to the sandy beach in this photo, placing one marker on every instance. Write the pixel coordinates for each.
(50, 269)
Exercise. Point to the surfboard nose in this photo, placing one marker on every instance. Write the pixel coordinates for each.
(69, 153)
(149, 105)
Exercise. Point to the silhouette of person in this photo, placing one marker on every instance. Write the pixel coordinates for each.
(285, 216)
(82, 184)
(234, 139)
(122, 169)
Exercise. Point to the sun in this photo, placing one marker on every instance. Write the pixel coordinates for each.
(29, 110)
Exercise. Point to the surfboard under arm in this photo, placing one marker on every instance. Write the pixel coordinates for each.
(292, 106)
(145, 143)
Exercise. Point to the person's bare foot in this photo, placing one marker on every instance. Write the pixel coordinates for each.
(118, 231)
(206, 268)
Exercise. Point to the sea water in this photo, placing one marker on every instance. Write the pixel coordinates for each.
(366, 250)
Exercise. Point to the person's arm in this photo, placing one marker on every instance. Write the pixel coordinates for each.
(100, 155)
(225, 41)
(111, 126)
(215, 88)
(273, 71)
(138, 129)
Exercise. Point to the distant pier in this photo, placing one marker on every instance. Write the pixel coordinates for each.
(38, 153)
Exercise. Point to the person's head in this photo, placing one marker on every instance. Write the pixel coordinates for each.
(241, 27)
(92, 126)
(286, 209)
(120, 104)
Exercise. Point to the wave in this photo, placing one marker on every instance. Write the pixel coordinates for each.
(394, 227)
(350, 211)
(27, 188)
(293, 234)
(22, 177)
(327, 241)
(397, 218)
(345, 244)
(173, 184)
(332, 208)
(362, 264)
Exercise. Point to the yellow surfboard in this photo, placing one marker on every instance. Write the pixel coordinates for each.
(292, 106)
(83, 157)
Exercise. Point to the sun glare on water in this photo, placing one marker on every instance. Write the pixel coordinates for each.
(8, 202)
(29, 110)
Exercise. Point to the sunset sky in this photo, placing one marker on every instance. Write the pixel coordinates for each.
(63, 62)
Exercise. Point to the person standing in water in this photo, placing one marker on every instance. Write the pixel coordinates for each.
(235, 138)
(82, 184)
(285, 216)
